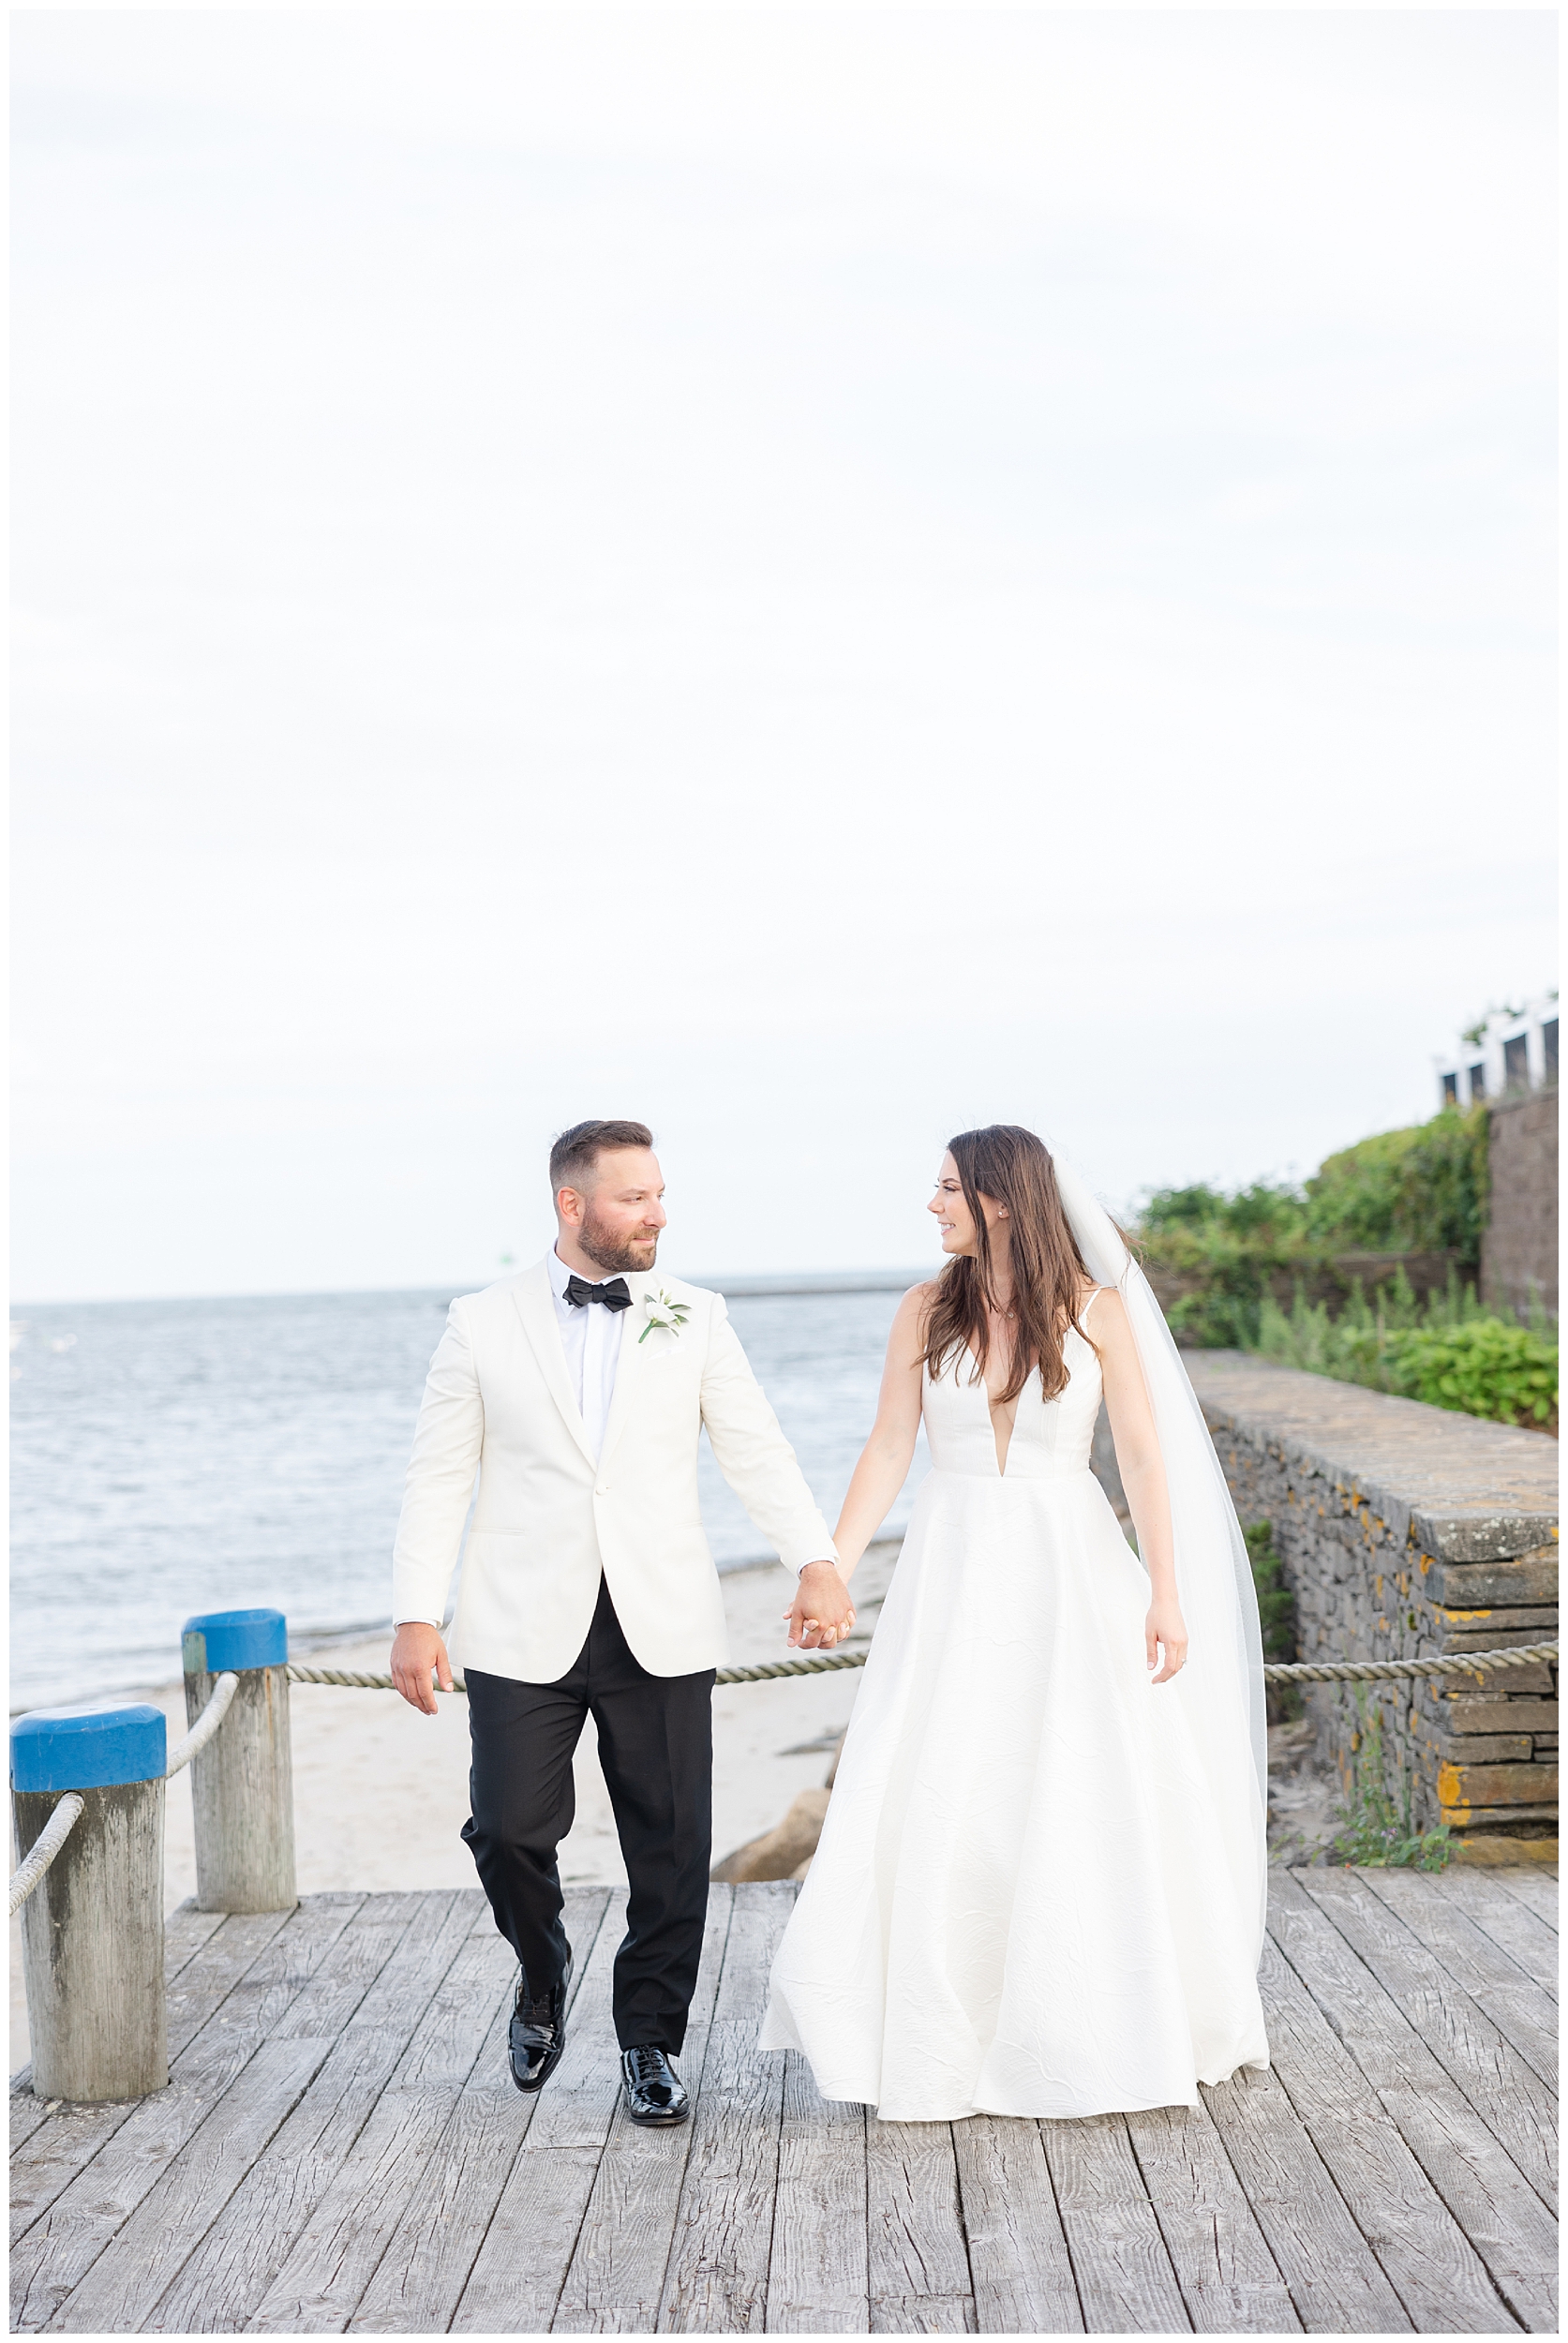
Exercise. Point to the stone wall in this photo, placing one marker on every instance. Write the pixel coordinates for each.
(1406, 1531)
(1520, 1245)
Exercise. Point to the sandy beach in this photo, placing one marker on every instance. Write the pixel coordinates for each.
(380, 1792)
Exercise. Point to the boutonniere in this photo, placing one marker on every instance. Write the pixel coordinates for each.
(663, 1309)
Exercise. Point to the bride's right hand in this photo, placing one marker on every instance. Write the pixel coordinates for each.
(822, 1613)
(1165, 1629)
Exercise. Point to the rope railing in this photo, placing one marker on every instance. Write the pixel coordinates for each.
(205, 1725)
(1375, 1671)
(45, 1847)
(1278, 1672)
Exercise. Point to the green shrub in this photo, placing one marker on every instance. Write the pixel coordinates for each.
(1445, 1185)
(1490, 1368)
(1353, 1197)
(1233, 1244)
(1276, 1616)
(1422, 1189)
(1377, 1825)
(1451, 1353)
(1277, 1604)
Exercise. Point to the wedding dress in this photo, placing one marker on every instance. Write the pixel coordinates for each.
(1039, 1888)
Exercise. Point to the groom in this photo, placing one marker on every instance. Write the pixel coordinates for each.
(577, 1392)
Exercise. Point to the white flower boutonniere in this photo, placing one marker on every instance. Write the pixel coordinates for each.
(663, 1309)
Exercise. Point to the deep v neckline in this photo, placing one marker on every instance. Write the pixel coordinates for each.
(1001, 1453)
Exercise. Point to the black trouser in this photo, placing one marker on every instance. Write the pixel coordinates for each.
(656, 1748)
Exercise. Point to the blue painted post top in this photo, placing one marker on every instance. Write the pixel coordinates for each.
(215, 1640)
(88, 1748)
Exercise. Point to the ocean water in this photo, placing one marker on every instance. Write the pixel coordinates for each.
(177, 1456)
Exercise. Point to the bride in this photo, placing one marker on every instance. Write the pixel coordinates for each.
(1039, 1887)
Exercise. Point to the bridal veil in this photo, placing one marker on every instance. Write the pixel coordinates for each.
(1222, 1683)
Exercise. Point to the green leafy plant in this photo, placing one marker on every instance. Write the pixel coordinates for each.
(1277, 1604)
(1353, 1197)
(1489, 1368)
(1276, 1616)
(1451, 1352)
(1231, 1247)
(1422, 1189)
(1378, 1828)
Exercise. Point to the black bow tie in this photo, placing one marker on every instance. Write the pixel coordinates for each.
(615, 1295)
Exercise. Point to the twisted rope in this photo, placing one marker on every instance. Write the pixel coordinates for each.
(1279, 1672)
(1373, 1671)
(205, 1725)
(45, 1847)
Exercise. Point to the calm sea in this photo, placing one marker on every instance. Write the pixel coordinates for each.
(177, 1456)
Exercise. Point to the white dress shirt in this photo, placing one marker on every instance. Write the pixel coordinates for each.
(591, 1338)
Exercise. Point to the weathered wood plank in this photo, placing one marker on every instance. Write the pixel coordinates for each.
(227, 1956)
(1508, 1923)
(818, 2280)
(1019, 2263)
(1534, 1888)
(420, 2280)
(717, 2278)
(1126, 2283)
(53, 2152)
(1508, 2094)
(923, 2314)
(60, 2248)
(124, 2282)
(1477, 2181)
(1437, 2272)
(615, 2278)
(230, 2272)
(915, 2249)
(1521, 2012)
(26, 2112)
(337, 2254)
(1337, 2283)
(186, 1930)
(1230, 2281)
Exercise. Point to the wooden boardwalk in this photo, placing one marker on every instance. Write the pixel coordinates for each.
(340, 2146)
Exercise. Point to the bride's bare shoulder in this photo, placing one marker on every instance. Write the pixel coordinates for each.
(1102, 1308)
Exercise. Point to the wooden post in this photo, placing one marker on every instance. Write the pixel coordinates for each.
(242, 1784)
(92, 1931)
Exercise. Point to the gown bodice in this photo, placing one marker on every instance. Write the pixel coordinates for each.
(1051, 1437)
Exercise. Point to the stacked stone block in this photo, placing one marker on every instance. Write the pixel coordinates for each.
(1518, 1249)
(1406, 1531)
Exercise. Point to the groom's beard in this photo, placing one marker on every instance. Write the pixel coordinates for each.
(612, 1251)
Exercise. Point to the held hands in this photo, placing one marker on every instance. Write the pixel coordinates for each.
(1165, 1625)
(822, 1613)
(416, 1650)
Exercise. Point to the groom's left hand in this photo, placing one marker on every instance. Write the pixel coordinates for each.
(822, 1613)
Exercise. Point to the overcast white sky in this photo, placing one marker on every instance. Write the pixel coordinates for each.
(817, 578)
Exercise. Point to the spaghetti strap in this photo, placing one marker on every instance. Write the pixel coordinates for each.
(1083, 1313)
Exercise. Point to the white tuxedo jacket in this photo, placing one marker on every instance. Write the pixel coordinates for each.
(548, 1519)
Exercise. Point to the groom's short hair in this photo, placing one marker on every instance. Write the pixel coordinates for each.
(574, 1157)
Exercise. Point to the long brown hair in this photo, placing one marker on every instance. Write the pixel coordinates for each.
(1013, 1168)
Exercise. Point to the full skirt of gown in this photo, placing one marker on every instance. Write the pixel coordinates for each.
(1022, 1902)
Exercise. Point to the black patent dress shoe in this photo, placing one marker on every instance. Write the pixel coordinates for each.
(537, 2034)
(654, 2092)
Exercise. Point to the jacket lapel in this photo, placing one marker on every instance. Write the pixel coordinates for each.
(536, 1306)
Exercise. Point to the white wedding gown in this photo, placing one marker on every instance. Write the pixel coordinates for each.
(1025, 1900)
